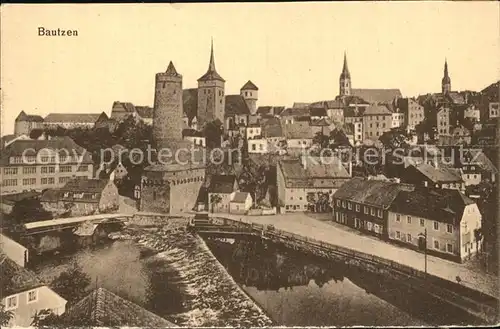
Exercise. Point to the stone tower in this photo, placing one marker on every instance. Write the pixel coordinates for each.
(167, 113)
(250, 94)
(211, 97)
(345, 79)
(446, 81)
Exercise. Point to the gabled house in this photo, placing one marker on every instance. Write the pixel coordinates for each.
(444, 222)
(240, 203)
(24, 294)
(83, 197)
(433, 176)
(361, 204)
(221, 191)
(25, 123)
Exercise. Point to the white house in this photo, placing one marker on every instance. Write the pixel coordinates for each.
(240, 203)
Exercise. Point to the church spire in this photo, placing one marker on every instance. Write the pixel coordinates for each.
(345, 69)
(171, 70)
(212, 72)
(446, 81)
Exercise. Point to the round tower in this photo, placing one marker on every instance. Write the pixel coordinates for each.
(250, 94)
(167, 113)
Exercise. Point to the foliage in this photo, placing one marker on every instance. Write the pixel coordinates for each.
(339, 138)
(213, 131)
(29, 210)
(253, 180)
(5, 316)
(394, 139)
(46, 318)
(321, 140)
(215, 199)
(36, 133)
(71, 284)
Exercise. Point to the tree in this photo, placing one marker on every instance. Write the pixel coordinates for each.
(36, 133)
(29, 210)
(213, 133)
(339, 138)
(46, 318)
(321, 140)
(5, 316)
(71, 284)
(394, 139)
(215, 199)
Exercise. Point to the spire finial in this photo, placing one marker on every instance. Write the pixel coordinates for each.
(211, 66)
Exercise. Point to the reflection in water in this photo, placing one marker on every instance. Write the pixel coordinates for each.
(304, 290)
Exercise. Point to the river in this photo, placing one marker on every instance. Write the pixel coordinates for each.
(292, 288)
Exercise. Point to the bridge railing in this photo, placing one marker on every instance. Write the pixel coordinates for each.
(473, 296)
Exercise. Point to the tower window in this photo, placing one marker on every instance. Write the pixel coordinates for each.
(246, 93)
(164, 83)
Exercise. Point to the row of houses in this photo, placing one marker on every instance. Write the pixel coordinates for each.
(444, 222)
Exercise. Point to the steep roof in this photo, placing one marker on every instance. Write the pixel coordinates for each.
(272, 128)
(377, 110)
(300, 105)
(72, 117)
(85, 185)
(442, 205)
(16, 278)
(211, 72)
(297, 175)
(438, 175)
(190, 102)
(144, 111)
(13, 198)
(240, 197)
(171, 71)
(377, 96)
(354, 111)
(235, 104)
(371, 192)
(345, 70)
(105, 309)
(329, 104)
(249, 85)
(295, 112)
(28, 117)
(123, 107)
(317, 111)
(270, 110)
(324, 167)
(63, 144)
(222, 184)
(298, 130)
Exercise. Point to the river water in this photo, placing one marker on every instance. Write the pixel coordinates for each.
(292, 288)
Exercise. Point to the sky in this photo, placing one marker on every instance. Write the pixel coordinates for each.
(292, 51)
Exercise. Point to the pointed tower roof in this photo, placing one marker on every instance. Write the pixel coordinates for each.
(446, 77)
(171, 71)
(212, 72)
(345, 70)
(249, 86)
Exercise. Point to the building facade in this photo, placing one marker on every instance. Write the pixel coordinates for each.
(27, 165)
(25, 123)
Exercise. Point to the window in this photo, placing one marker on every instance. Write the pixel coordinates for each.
(379, 213)
(436, 226)
(358, 207)
(32, 296)
(10, 171)
(29, 181)
(338, 203)
(52, 180)
(372, 211)
(366, 210)
(398, 235)
(65, 169)
(64, 179)
(422, 222)
(408, 237)
(9, 182)
(29, 170)
(436, 244)
(11, 303)
(349, 205)
(343, 204)
(449, 247)
(398, 218)
(408, 219)
(45, 181)
(254, 147)
(449, 228)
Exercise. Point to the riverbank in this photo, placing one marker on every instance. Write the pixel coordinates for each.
(211, 297)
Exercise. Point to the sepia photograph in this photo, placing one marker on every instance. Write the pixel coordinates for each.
(261, 164)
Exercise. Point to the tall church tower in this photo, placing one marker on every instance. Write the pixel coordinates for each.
(345, 80)
(211, 97)
(446, 82)
(167, 112)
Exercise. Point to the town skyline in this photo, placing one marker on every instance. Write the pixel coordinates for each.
(68, 81)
